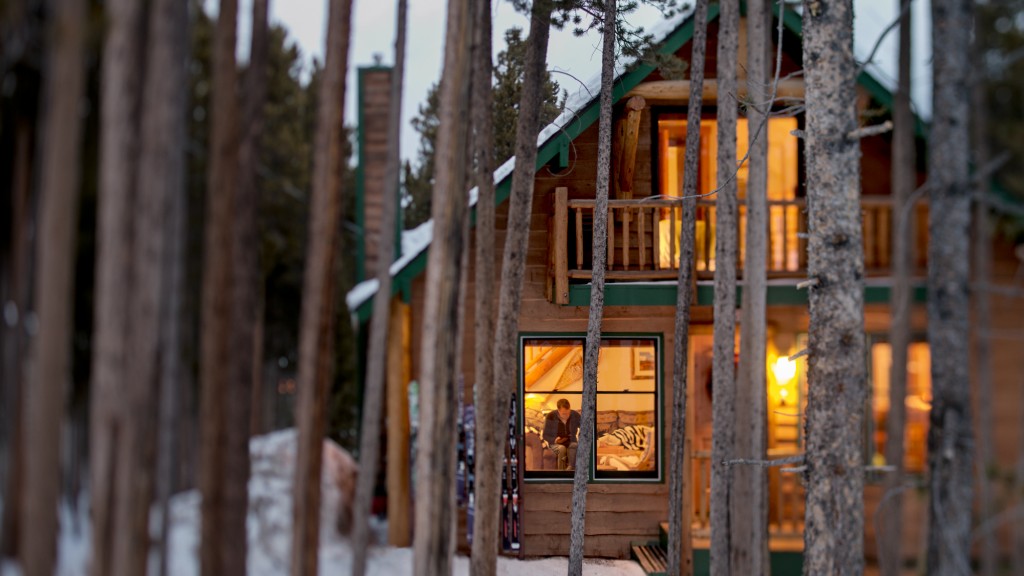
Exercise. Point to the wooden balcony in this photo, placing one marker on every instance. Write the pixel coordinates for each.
(643, 239)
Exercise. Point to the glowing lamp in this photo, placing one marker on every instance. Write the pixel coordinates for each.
(784, 370)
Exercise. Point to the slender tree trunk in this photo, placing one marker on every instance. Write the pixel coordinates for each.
(121, 69)
(982, 256)
(513, 264)
(833, 534)
(318, 292)
(244, 305)
(483, 561)
(723, 383)
(49, 370)
(950, 436)
(158, 181)
(170, 18)
(369, 440)
(749, 500)
(217, 554)
(679, 554)
(15, 334)
(904, 178)
(598, 260)
(433, 541)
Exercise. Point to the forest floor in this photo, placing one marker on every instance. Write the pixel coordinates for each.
(269, 527)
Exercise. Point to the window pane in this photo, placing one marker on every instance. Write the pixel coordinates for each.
(918, 403)
(627, 435)
(628, 373)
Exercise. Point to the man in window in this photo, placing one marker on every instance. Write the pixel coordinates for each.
(561, 428)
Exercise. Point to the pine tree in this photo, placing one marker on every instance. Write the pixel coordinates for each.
(507, 88)
(836, 380)
(724, 383)
(950, 436)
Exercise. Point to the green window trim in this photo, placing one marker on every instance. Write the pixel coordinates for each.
(595, 476)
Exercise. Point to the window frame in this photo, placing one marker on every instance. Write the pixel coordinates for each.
(594, 476)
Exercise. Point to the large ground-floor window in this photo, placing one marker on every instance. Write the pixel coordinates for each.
(628, 418)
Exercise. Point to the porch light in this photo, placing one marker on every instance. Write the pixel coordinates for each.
(784, 370)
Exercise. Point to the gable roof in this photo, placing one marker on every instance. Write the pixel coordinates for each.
(581, 111)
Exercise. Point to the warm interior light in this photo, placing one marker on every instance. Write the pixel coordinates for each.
(784, 393)
(784, 370)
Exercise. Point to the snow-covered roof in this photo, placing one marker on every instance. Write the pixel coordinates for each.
(871, 21)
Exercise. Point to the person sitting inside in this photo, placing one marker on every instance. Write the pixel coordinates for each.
(560, 431)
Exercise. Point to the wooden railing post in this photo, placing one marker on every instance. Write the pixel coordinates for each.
(561, 242)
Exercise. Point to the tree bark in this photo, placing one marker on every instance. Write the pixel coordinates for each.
(169, 20)
(982, 256)
(904, 178)
(216, 555)
(950, 437)
(49, 370)
(723, 383)
(15, 334)
(433, 542)
(318, 292)
(833, 533)
(749, 500)
(369, 437)
(119, 135)
(679, 554)
(513, 262)
(158, 182)
(483, 561)
(592, 350)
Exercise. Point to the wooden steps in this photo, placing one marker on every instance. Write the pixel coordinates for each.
(651, 558)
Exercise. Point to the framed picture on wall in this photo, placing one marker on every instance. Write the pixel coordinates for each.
(642, 364)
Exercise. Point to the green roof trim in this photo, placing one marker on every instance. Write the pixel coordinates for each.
(665, 295)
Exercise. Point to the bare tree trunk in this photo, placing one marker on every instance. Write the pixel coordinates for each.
(904, 177)
(982, 255)
(679, 555)
(950, 436)
(369, 436)
(170, 20)
(592, 351)
(15, 334)
(244, 306)
(513, 263)
(723, 383)
(833, 533)
(318, 292)
(217, 554)
(158, 181)
(483, 561)
(49, 370)
(121, 69)
(433, 542)
(749, 499)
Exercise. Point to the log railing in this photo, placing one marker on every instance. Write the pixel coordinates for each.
(785, 497)
(643, 239)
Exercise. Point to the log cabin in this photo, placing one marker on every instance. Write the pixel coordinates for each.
(627, 503)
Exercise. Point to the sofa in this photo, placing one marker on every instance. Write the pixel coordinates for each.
(540, 457)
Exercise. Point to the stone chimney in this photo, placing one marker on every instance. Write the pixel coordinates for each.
(374, 95)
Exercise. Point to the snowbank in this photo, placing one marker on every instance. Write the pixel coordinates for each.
(270, 521)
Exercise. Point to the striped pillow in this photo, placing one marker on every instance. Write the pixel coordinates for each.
(632, 437)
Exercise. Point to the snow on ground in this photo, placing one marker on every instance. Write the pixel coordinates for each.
(269, 527)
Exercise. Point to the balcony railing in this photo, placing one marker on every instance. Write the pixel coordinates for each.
(643, 239)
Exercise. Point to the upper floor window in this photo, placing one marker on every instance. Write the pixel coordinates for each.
(785, 212)
(628, 423)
